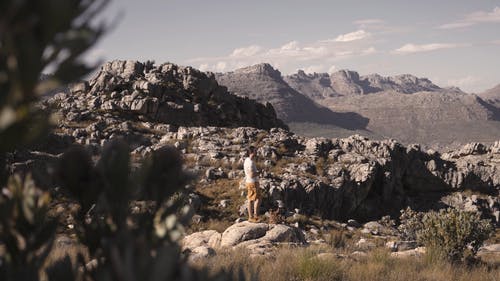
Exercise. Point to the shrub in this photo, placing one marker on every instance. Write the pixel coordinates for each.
(410, 223)
(453, 234)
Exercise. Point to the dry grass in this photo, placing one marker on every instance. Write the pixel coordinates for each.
(212, 193)
(304, 264)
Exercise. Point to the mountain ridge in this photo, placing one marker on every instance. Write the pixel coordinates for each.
(264, 83)
(404, 107)
(492, 96)
(349, 82)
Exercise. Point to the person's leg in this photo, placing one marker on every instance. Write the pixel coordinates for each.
(256, 208)
(249, 207)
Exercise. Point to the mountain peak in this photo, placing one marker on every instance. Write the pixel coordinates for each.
(261, 69)
(346, 74)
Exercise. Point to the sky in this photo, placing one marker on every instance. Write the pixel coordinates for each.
(453, 43)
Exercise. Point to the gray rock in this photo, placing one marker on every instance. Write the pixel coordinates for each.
(200, 253)
(215, 173)
(398, 246)
(208, 238)
(243, 231)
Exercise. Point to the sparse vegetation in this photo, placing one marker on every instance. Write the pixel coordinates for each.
(410, 223)
(320, 263)
(453, 234)
(214, 216)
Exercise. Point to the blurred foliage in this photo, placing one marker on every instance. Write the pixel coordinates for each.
(36, 36)
(124, 241)
(453, 234)
(25, 231)
(126, 244)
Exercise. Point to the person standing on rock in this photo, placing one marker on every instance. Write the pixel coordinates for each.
(252, 185)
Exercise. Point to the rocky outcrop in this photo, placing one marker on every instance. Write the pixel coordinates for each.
(341, 178)
(404, 83)
(167, 93)
(258, 238)
(265, 84)
(335, 178)
(404, 107)
(348, 83)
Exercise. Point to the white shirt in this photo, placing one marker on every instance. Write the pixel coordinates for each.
(249, 168)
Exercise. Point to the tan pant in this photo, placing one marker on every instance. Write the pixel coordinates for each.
(253, 191)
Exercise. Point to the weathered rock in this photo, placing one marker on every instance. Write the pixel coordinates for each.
(418, 252)
(284, 233)
(200, 253)
(365, 244)
(377, 228)
(243, 231)
(166, 93)
(215, 173)
(398, 246)
(209, 238)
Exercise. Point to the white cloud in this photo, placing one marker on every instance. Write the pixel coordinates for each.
(204, 67)
(454, 25)
(369, 51)
(332, 69)
(352, 36)
(316, 56)
(314, 69)
(220, 66)
(466, 83)
(290, 46)
(246, 51)
(369, 23)
(475, 18)
(414, 48)
(493, 16)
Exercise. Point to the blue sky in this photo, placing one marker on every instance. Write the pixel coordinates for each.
(450, 42)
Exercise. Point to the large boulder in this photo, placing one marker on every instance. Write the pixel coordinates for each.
(243, 231)
(210, 238)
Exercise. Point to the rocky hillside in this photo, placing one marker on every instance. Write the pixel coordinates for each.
(492, 96)
(347, 83)
(436, 119)
(404, 107)
(331, 178)
(265, 84)
(170, 94)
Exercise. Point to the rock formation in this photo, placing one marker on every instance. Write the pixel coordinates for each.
(153, 106)
(265, 84)
(127, 90)
(348, 83)
(403, 107)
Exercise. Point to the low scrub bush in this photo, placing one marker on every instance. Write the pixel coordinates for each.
(453, 234)
(411, 222)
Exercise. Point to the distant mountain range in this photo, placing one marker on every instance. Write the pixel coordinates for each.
(348, 83)
(403, 107)
(492, 96)
(265, 84)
